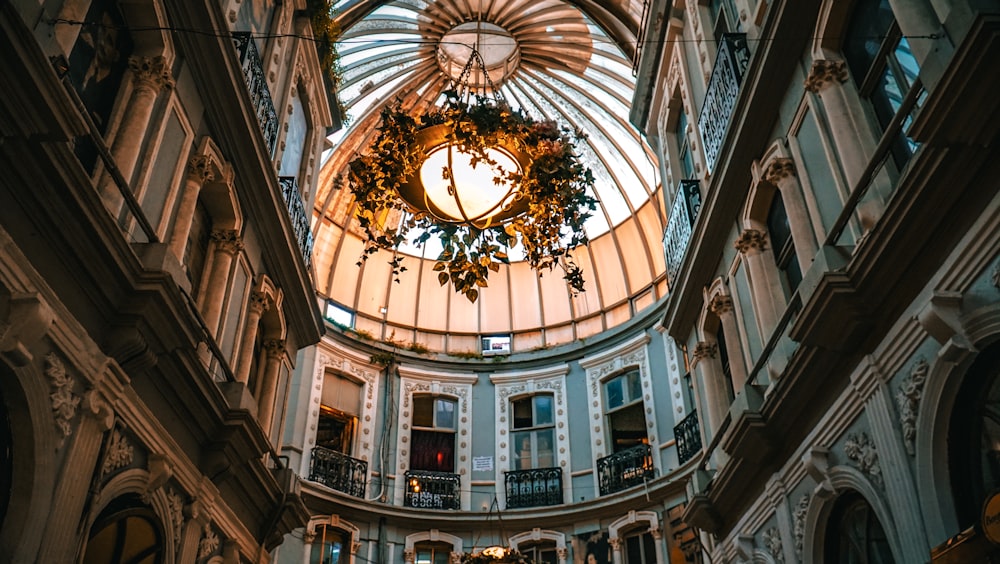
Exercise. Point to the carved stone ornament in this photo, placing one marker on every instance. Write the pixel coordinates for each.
(824, 72)
(409, 555)
(64, 401)
(151, 72)
(779, 169)
(208, 544)
(721, 304)
(274, 348)
(751, 240)
(200, 168)
(772, 540)
(799, 514)
(119, 454)
(176, 506)
(258, 302)
(702, 351)
(860, 448)
(227, 240)
(908, 396)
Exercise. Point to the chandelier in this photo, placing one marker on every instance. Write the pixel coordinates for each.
(477, 175)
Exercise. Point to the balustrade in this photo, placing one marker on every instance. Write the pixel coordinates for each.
(534, 488)
(338, 471)
(723, 90)
(687, 434)
(684, 212)
(625, 469)
(427, 489)
(300, 220)
(260, 94)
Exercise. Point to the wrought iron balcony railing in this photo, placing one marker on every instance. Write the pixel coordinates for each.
(300, 220)
(625, 469)
(427, 489)
(723, 89)
(534, 488)
(260, 94)
(338, 471)
(684, 212)
(687, 433)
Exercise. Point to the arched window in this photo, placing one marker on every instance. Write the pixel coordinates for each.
(854, 534)
(639, 547)
(126, 532)
(433, 435)
(882, 65)
(331, 546)
(780, 233)
(432, 553)
(626, 416)
(542, 553)
(533, 433)
(974, 437)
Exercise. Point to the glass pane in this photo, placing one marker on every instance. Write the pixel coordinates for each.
(445, 414)
(634, 386)
(522, 413)
(615, 394)
(870, 22)
(522, 450)
(543, 410)
(546, 452)
(907, 62)
(423, 414)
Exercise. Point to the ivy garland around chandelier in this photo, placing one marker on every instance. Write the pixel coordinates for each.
(552, 189)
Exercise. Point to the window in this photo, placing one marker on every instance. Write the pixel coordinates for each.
(544, 553)
(727, 370)
(882, 65)
(339, 410)
(197, 246)
(626, 419)
(725, 18)
(330, 546)
(126, 532)
(683, 147)
(533, 432)
(432, 553)
(640, 548)
(854, 534)
(433, 436)
(339, 315)
(784, 247)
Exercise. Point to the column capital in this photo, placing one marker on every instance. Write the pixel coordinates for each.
(616, 543)
(778, 169)
(721, 304)
(227, 240)
(258, 302)
(825, 72)
(152, 73)
(199, 168)
(702, 351)
(751, 240)
(274, 348)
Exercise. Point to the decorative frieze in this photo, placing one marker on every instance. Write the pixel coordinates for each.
(119, 454)
(751, 240)
(772, 541)
(861, 449)
(799, 515)
(825, 72)
(175, 504)
(64, 401)
(908, 396)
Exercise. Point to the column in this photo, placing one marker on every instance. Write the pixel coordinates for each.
(716, 397)
(226, 244)
(658, 540)
(275, 351)
(199, 171)
(852, 137)
(149, 76)
(781, 173)
(722, 307)
(257, 306)
(616, 549)
(765, 287)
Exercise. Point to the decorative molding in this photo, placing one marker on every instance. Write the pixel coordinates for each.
(64, 401)
(772, 540)
(209, 542)
(176, 506)
(908, 397)
(152, 73)
(751, 240)
(861, 449)
(799, 515)
(120, 453)
(825, 72)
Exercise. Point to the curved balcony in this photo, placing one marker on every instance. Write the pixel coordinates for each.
(427, 489)
(338, 471)
(536, 487)
(625, 469)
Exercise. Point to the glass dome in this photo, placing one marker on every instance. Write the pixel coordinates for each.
(552, 60)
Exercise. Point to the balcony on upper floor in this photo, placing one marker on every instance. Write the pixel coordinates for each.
(687, 433)
(338, 471)
(260, 94)
(300, 219)
(723, 90)
(535, 487)
(427, 489)
(684, 212)
(625, 469)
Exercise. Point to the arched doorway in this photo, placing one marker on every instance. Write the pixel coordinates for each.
(126, 532)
